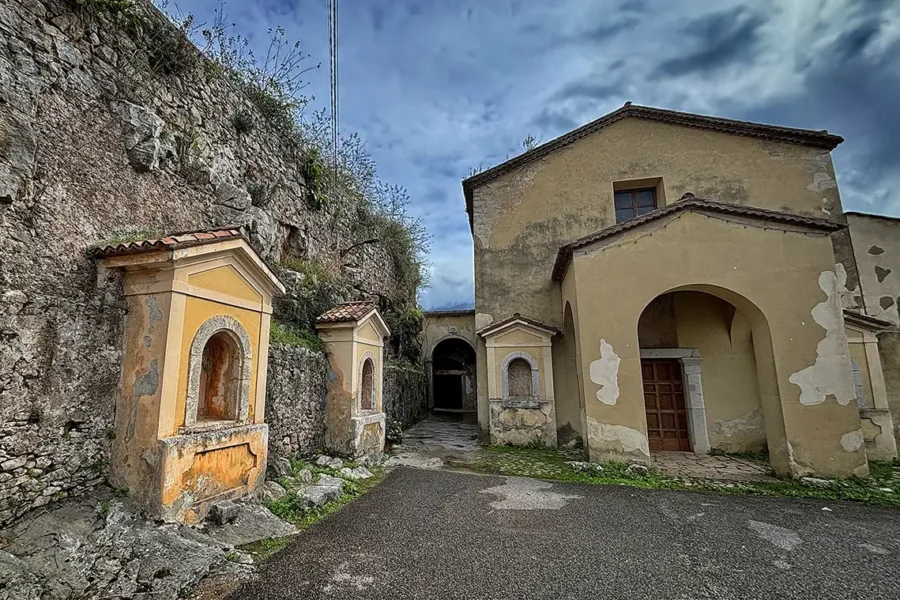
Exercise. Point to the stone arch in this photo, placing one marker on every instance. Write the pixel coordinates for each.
(763, 358)
(449, 336)
(225, 332)
(511, 358)
(367, 398)
(452, 374)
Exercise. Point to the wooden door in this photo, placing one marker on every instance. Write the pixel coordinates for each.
(664, 402)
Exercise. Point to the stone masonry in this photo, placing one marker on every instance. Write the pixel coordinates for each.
(96, 146)
(295, 401)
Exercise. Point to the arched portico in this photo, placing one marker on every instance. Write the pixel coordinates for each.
(708, 373)
(781, 277)
(451, 375)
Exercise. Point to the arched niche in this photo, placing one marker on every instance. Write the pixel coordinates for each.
(219, 368)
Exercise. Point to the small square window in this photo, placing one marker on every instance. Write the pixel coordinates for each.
(632, 203)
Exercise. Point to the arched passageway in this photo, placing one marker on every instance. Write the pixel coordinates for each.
(453, 376)
(566, 375)
(706, 368)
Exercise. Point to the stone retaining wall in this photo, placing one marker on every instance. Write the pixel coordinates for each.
(404, 398)
(295, 400)
(96, 147)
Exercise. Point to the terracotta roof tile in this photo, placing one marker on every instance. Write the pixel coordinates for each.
(791, 135)
(348, 311)
(169, 242)
(688, 202)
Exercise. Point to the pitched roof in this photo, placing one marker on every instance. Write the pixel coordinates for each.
(451, 313)
(688, 202)
(791, 135)
(517, 317)
(169, 242)
(347, 311)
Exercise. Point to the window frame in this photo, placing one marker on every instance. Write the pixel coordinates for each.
(635, 209)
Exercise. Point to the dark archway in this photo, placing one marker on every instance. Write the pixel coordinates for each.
(453, 376)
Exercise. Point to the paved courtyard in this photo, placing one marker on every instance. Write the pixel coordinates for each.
(440, 441)
(686, 465)
(428, 533)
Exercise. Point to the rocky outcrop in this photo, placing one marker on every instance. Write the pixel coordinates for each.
(98, 145)
(99, 547)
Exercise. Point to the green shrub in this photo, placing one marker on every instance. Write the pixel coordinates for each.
(281, 333)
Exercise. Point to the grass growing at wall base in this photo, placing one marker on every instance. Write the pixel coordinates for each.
(290, 507)
(548, 463)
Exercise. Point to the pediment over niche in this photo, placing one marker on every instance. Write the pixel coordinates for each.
(518, 329)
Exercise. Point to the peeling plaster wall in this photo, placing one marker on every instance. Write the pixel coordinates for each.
(605, 373)
(772, 277)
(830, 375)
(723, 336)
(876, 251)
(521, 218)
(876, 247)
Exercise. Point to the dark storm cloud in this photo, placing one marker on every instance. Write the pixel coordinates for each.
(436, 87)
(718, 40)
(554, 121)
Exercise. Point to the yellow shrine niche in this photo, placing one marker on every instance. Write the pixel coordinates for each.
(190, 417)
(354, 334)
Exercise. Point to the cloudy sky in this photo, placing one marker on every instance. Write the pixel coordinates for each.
(437, 87)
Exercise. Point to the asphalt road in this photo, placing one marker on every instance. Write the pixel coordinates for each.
(438, 534)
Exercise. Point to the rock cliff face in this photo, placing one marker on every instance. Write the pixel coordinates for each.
(95, 146)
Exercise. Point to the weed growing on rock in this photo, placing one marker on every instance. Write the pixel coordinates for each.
(281, 333)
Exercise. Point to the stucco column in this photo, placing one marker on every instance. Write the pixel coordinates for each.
(696, 410)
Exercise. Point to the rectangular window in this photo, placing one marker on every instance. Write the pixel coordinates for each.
(632, 203)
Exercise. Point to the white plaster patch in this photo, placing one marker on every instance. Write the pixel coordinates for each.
(780, 537)
(830, 374)
(482, 320)
(519, 493)
(630, 439)
(822, 181)
(853, 441)
(752, 421)
(605, 373)
(849, 298)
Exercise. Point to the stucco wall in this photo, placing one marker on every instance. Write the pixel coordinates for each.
(521, 218)
(440, 325)
(783, 281)
(723, 336)
(876, 249)
(876, 246)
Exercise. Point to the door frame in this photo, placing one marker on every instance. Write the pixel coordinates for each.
(689, 360)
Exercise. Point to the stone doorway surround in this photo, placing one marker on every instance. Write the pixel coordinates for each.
(689, 359)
